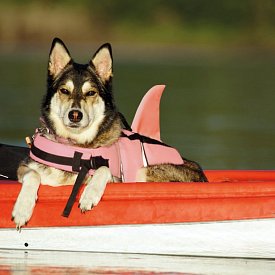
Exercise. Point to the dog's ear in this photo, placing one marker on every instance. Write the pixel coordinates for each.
(59, 57)
(103, 62)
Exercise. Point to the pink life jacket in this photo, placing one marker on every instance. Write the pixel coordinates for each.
(124, 158)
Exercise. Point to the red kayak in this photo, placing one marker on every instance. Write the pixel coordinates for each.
(231, 216)
(229, 195)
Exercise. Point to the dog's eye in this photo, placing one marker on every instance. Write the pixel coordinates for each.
(90, 93)
(64, 91)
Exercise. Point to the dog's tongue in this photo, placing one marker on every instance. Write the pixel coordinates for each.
(146, 121)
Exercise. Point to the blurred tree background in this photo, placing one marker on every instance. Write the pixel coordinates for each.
(227, 23)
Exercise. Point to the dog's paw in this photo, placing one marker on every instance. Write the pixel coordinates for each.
(22, 210)
(90, 198)
(95, 188)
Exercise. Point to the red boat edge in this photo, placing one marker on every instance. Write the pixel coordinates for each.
(229, 195)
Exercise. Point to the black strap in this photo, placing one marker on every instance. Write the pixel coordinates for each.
(124, 122)
(143, 139)
(79, 180)
(75, 162)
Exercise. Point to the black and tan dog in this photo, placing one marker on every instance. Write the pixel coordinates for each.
(78, 110)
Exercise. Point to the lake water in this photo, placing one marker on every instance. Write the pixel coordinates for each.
(217, 109)
(18, 262)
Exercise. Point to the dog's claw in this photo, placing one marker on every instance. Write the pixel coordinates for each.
(18, 228)
(85, 209)
(82, 210)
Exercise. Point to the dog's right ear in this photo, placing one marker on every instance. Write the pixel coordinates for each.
(59, 57)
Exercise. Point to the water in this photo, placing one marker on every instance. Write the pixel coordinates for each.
(18, 262)
(218, 109)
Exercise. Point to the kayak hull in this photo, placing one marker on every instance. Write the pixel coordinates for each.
(238, 239)
(231, 216)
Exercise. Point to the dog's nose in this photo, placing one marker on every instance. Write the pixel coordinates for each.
(75, 116)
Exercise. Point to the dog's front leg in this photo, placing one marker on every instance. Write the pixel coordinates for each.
(95, 188)
(27, 197)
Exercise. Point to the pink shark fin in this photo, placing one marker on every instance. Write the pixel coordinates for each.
(146, 121)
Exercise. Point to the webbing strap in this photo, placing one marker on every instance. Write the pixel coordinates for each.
(79, 180)
(143, 139)
(75, 162)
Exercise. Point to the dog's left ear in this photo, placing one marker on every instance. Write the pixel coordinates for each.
(103, 62)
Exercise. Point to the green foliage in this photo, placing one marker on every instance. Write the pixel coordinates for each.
(161, 20)
(232, 13)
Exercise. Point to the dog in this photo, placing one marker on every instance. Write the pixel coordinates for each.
(78, 110)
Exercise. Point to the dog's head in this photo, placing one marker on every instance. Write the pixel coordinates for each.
(79, 97)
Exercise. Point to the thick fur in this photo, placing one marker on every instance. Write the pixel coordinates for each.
(79, 108)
